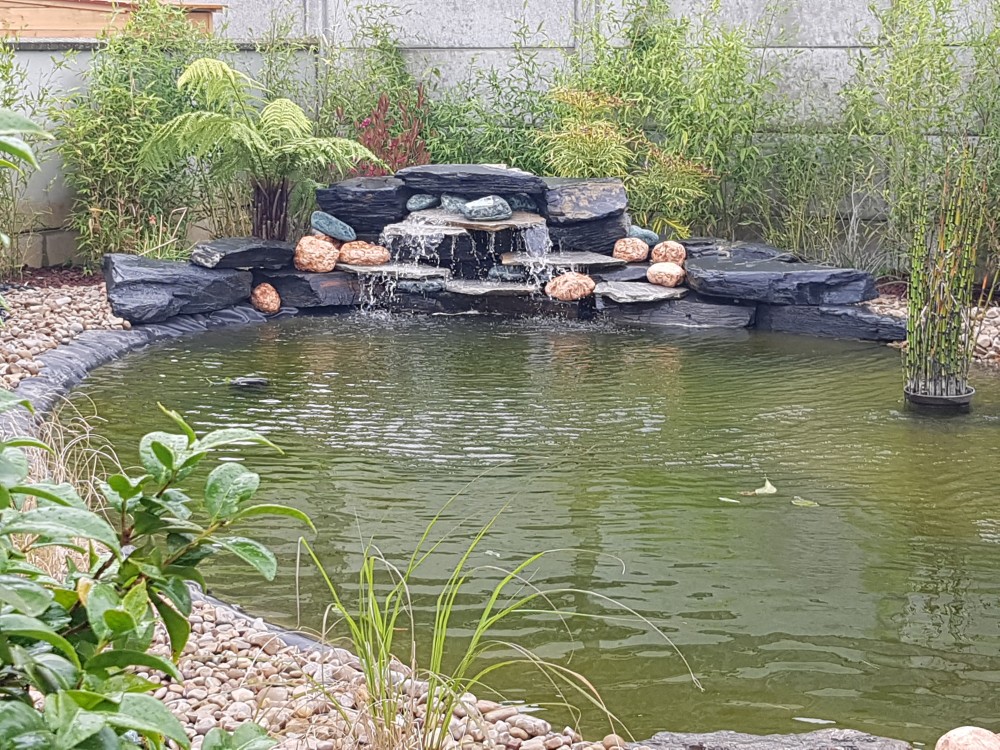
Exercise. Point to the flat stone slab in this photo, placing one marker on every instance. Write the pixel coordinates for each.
(143, 290)
(562, 260)
(689, 312)
(628, 272)
(832, 321)
(637, 291)
(472, 288)
(470, 179)
(569, 200)
(517, 220)
(303, 289)
(410, 271)
(778, 282)
(366, 204)
(243, 252)
(824, 739)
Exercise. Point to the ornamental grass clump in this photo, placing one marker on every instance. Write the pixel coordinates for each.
(417, 675)
(266, 150)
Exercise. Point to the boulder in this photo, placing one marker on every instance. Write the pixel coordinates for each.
(453, 204)
(969, 738)
(832, 321)
(597, 236)
(422, 201)
(570, 287)
(143, 290)
(648, 236)
(779, 282)
(490, 208)
(366, 203)
(242, 252)
(266, 299)
(669, 252)
(824, 739)
(631, 250)
(302, 289)
(471, 179)
(521, 202)
(570, 201)
(363, 254)
(689, 312)
(332, 227)
(316, 254)
(665, 274)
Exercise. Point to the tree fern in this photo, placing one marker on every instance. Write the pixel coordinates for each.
(271, 146)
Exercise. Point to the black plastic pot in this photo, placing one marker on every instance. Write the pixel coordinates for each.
(940, 403)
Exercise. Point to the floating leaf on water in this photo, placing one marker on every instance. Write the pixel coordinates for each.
(491, 553)
(729, 500)
(803, 503)
(808, 720)
(767, 489)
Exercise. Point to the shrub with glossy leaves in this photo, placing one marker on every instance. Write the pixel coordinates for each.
(77, 639)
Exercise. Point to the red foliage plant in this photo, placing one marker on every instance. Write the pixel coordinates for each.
(395, 135)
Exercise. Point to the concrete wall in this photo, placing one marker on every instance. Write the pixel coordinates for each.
(811, 39)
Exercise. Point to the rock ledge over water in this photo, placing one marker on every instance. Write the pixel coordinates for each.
(824, 739)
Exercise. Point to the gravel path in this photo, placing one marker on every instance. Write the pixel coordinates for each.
(42, 316)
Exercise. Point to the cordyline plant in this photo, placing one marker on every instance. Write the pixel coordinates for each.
(395, 134)
(70, 645)
(240, 136)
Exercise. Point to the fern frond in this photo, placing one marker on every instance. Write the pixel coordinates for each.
(218, 86)
(283, 120)
(311, 155)
(206, 134)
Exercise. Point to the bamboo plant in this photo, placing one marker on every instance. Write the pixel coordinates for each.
(943, 321)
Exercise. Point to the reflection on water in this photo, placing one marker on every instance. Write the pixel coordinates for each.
(877, 610)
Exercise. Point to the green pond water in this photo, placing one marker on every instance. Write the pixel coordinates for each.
(877, 610)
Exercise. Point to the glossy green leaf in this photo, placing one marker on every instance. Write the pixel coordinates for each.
(17, 719)
(150, 461)
(178, 627)
(17, 148)
(123, 659)
(101, 599)
(13, 466)
(180, 422)
(63, 523)
(119, 621)
(57, 494)
(23, 626)
(228, 485)
(13, 123)
(28, 442)
(163, 454)
(254, 553)
(148, 717)
(25, 596)
(136, 601)
(8, 402)
(274, 510)
(82, 726)
(232, 436)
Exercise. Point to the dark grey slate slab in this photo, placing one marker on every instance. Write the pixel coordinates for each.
(824, 739)
(142, 290)
(778, 282)
(690, 312)
(832, 321)
(570, 201)
(627, 292)
(470, 179)
(367, 204)
(597, 236)
(301, 289)
(631, 272)
(243, 252)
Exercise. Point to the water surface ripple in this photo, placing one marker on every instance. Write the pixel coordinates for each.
(876, 610)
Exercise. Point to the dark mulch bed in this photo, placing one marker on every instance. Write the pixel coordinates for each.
(45, 278)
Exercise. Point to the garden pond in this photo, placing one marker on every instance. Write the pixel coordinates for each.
(865, 592)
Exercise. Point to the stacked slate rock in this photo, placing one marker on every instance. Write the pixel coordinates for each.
(586, 215)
